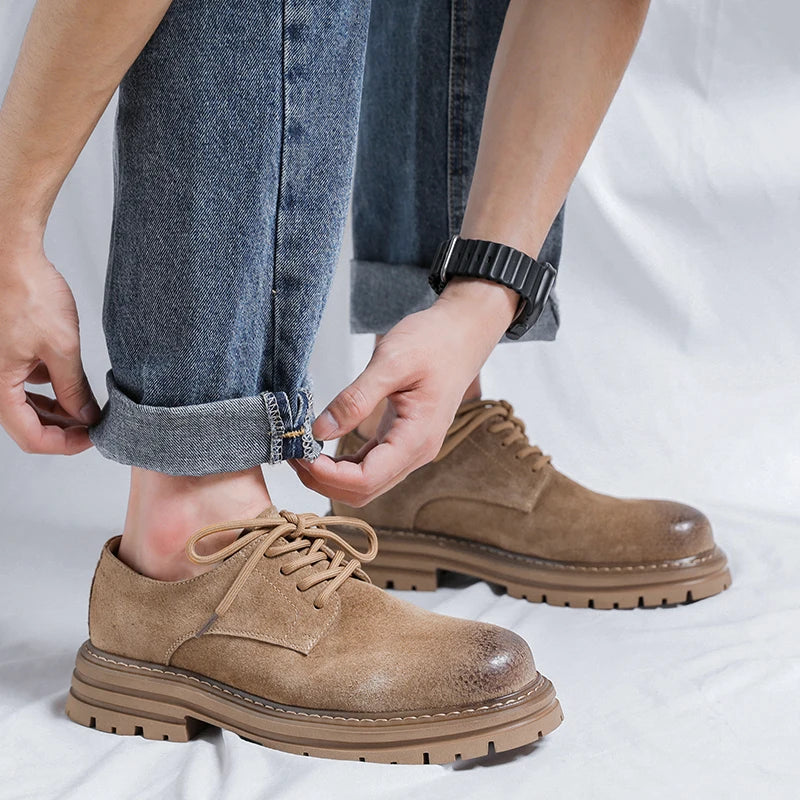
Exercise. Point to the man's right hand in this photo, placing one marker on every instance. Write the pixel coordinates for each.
(40, 343)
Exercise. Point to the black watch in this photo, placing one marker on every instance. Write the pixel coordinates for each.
(475, 258)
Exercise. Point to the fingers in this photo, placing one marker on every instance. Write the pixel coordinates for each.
(408, 446)
(50, 411)
(32, 431)
(70, 384)
(355, 403)
(39, 374)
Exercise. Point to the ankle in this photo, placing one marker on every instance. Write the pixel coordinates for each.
(473, 391)
(165, 510)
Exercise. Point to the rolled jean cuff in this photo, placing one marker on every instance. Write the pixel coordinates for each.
(209, 438)
(382, 294)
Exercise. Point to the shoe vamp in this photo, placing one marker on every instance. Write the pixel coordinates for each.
(379, 655)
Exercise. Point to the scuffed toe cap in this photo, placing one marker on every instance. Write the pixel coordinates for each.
(413, 660)
(496, 662)
(684, 531)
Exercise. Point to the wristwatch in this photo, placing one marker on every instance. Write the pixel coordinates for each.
(476, 258)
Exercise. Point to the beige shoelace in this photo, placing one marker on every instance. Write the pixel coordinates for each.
(302, 532)
(474, 413)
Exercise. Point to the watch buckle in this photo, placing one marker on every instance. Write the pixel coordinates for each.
(446, 260)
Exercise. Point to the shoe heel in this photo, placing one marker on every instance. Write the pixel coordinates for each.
(125, 724)
(94, 702)
(402, 577)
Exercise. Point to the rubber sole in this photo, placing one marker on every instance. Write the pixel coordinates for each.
(128, 697)
(412, 560)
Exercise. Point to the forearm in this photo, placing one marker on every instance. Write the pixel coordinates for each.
(73, 56)
(557, 67)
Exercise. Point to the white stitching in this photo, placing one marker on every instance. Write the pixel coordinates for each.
(216, 686)
(450, 541)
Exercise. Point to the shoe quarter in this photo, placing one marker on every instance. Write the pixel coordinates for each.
(270, 608)
(132, 615)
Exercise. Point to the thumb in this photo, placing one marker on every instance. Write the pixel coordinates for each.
(353, 404)
(72, 388)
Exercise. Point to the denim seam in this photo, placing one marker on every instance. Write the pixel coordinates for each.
(310, 447)
(276, 427)
(278, 200)
(449, 182)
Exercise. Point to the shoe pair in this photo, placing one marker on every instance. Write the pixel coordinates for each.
(287, 642)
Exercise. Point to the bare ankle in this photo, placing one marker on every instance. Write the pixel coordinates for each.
(473, 391)
(165, 510)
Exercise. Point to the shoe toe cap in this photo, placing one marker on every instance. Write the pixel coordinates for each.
(494, 662)
(685, 531)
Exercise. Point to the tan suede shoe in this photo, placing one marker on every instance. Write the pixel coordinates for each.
(287, 643)
(492, 506)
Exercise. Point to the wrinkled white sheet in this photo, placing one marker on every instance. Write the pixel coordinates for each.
(675, 374)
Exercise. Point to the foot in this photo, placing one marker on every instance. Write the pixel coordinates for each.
(492, 505)
(286, 642)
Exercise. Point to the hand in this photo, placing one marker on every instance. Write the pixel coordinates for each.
(421, 367)
(40, 343)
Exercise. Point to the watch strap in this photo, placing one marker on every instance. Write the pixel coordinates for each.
(499, 263)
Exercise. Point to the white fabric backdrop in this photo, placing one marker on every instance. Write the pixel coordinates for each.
(675, 374)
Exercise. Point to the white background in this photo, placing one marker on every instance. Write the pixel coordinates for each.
(675, 374)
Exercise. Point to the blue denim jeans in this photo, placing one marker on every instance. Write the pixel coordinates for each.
(426, 76)
(234, 159)
(235, 140)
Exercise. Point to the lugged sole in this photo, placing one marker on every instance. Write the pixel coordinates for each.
(129, 697)
(413, 560)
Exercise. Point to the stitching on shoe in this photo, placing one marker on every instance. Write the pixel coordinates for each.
(282, 641)
(461, 712)
(449, 540)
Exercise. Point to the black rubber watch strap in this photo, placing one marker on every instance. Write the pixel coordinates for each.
(507, 266)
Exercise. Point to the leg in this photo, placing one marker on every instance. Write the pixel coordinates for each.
(222, 254)
(236, 136)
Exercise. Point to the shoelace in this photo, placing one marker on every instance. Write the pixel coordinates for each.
(303, 532)
(474, 413)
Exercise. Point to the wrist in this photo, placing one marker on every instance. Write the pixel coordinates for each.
(484, 304)
(20, 235)
(24, 210)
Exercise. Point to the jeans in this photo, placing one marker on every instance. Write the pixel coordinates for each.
(234, 159)
(426, 76)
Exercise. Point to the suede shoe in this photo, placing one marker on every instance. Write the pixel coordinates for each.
(491, 505)
(287, 643)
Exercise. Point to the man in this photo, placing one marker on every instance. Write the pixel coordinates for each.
(235, 140)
